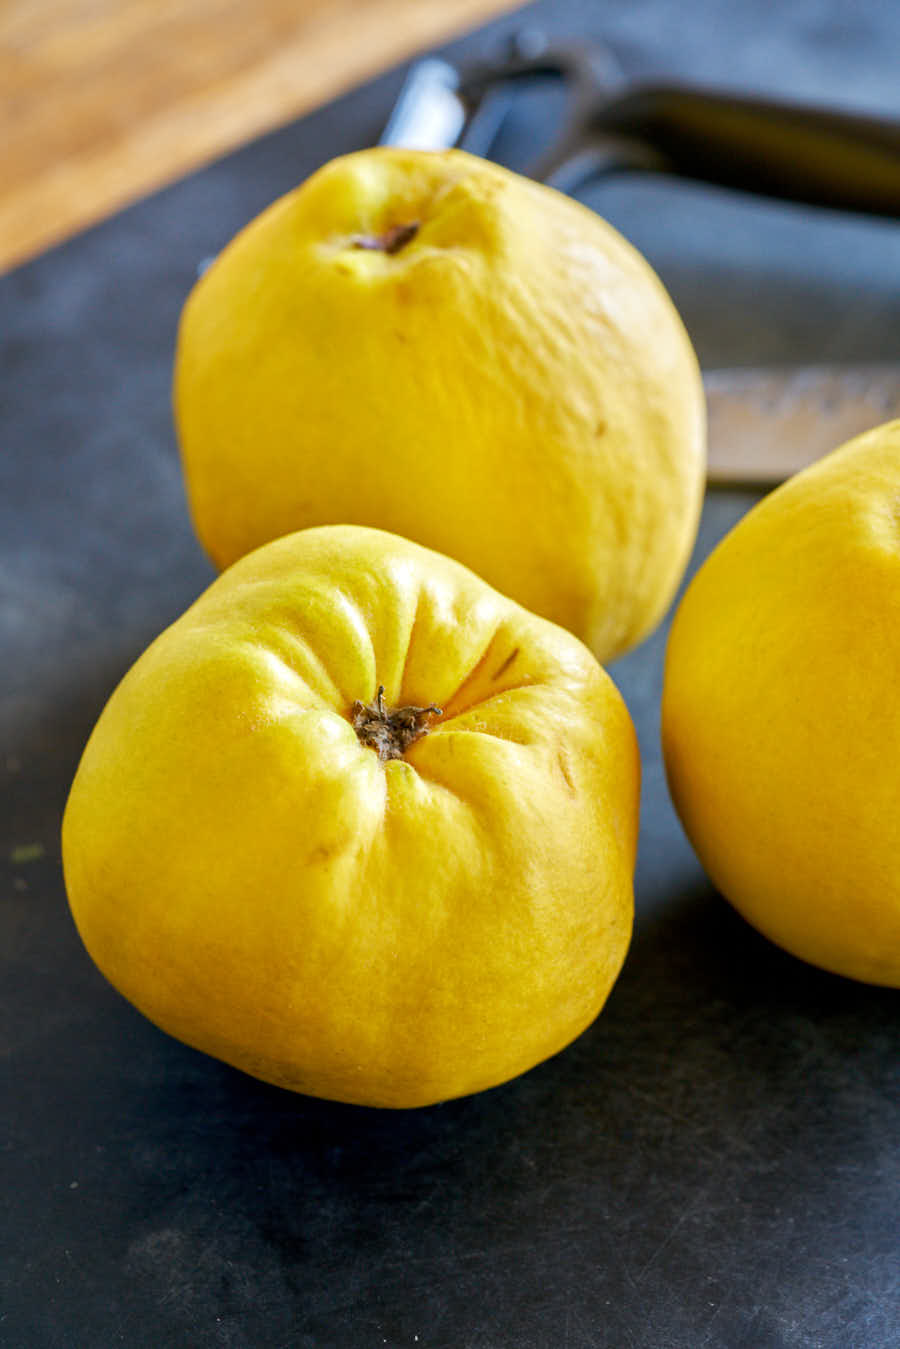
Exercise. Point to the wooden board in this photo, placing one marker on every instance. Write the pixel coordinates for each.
(103, 100)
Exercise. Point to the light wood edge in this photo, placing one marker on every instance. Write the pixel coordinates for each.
(86, 188)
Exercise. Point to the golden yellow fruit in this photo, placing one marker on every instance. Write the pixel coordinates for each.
(781, 712)
(432, 345)
(244, 864)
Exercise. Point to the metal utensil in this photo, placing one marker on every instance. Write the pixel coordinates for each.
(767, 424)
(769, 147)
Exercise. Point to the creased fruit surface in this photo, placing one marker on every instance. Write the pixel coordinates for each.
(261, 884)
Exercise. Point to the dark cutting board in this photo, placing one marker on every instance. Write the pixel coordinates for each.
(714, 1162)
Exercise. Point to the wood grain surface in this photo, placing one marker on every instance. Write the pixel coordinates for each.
(105, 100)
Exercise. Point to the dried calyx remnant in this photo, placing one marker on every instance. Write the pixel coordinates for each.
(397, 237)
(390, 730)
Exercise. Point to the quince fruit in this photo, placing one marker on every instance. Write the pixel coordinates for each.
(432, 345)
(359, 825)
(781, 715)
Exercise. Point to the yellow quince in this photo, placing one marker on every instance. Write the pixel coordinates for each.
(359, 825)
(781, 712)
(432, 345)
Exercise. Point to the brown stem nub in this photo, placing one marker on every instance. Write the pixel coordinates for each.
(390, 730)
(397, 237)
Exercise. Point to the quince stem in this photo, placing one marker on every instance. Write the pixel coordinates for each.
(397, 237)
(390, 730)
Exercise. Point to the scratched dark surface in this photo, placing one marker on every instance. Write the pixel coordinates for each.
(714, 1162)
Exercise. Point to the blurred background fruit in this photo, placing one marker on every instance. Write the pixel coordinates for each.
(781, 715)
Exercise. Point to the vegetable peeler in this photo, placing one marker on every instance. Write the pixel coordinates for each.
(611, 124)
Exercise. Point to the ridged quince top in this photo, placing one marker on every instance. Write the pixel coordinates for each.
(265, 886)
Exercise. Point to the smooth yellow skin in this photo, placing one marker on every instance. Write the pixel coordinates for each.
(513, 387)
(781, 712)
(262, 886)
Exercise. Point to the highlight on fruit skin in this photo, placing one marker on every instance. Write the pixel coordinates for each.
(430, 344)
(359, 825)
(781, 715)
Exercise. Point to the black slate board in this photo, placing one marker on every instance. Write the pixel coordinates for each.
(714, 1162)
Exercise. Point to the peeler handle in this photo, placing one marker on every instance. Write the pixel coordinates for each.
(795, 152)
